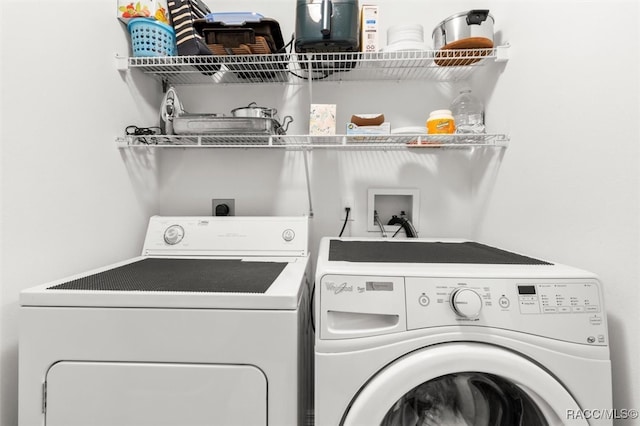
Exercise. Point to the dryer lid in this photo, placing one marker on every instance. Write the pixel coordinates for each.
(179, 282)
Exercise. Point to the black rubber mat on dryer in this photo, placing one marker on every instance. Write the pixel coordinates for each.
(407, 251)
(182, 275)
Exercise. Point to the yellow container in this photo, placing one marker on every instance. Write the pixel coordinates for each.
(440, 122)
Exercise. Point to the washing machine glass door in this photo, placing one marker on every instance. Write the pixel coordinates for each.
(466, 399)
(463, 384)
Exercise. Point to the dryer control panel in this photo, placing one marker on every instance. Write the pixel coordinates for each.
(227, 236)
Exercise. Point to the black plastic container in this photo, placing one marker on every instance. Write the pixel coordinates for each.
(327, 26)
(250, 38)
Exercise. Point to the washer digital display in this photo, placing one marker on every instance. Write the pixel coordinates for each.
(526, 289)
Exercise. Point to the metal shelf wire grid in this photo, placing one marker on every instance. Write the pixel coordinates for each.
(302, 142)
(299, 68)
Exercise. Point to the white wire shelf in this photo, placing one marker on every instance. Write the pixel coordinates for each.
(307, 142)
(299, 68)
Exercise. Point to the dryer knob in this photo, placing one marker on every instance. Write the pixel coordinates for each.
(466, 303)
(173, 234)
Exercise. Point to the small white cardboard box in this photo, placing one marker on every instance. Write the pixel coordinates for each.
(369, 29)
(382, 129)
(322, 120)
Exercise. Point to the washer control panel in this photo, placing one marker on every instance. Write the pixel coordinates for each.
(564, 309)
(558, 298)
(353, 306)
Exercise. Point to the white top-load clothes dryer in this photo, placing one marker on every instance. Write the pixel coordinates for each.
(449, 332)
(209, 326)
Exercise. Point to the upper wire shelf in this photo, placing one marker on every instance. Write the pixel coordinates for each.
(304, 142)
(299, 68)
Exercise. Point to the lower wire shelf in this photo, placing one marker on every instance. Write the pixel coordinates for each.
(305, 142)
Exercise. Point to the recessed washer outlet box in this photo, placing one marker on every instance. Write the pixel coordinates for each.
(389, 202)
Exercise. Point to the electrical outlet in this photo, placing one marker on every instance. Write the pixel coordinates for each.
(223, 207)
(346, 202)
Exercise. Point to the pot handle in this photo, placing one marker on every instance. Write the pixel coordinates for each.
(326, 18)
(477, 16)
(285, 123)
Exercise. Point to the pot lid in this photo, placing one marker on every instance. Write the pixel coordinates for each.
(474, 15)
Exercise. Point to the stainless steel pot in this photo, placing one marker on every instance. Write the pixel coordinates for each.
(466, 30)
(254, 111)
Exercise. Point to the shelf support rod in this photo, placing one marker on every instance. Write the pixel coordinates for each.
(305, 154)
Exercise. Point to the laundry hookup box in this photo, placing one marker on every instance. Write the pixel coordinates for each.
(153, 9)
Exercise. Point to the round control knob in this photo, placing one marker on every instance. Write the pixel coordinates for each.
(288, 235)
(173, 234)
(466, 302)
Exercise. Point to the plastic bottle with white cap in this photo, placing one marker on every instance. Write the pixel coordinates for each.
(468, 113)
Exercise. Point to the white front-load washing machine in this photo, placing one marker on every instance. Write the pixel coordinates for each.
(209, 326)
(447, 332)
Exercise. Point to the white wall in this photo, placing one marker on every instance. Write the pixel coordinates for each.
(70, 199)
(566, 189)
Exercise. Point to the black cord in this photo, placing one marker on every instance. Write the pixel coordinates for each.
(290, 45)
(396, 233)
(312, 306)
(283, 49)
(346, 219)
(141, 132)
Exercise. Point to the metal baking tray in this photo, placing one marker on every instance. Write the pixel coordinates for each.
(205, 124)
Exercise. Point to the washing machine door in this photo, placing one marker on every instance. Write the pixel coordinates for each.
(463, 384)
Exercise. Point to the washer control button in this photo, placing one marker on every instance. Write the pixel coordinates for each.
(504, 302)
(423, 300)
